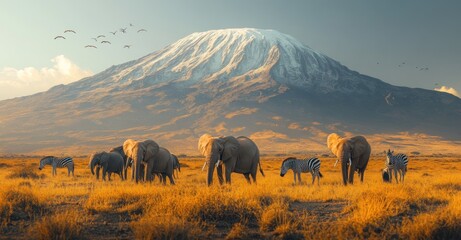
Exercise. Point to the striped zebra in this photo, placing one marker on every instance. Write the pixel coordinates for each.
(398, 163)
(311, 165)
(58, 163)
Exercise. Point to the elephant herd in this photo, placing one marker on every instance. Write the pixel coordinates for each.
(237, 154)
(146, 159)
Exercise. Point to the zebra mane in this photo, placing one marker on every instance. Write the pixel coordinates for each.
(288, 159)
(47, 157)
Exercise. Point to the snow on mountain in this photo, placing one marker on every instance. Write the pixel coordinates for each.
(260, 83)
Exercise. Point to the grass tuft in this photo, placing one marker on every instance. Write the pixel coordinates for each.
(18, 204)
(275, 215)
(26, 173)
(66, 225)
(154, 226)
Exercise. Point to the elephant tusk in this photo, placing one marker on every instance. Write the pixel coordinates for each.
(350, 162)
(219, 162)
(336, 162)
(204, 165)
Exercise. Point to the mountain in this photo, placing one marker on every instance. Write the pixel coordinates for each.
(259, 83)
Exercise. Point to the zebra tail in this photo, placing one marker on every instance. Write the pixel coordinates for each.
(261, 170)
(320, 174)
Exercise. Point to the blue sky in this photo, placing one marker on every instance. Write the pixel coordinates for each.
(358, 33)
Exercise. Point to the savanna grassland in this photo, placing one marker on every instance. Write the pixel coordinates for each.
(35, 205)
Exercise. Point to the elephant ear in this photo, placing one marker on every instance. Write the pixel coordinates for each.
(231, 148)
(333, 142)
(128, 147)
(151, 148)
(104, 158)
(204, 144)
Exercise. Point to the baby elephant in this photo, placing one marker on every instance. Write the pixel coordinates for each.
(111, 162)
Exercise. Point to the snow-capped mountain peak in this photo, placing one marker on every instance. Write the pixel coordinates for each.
(225, 54)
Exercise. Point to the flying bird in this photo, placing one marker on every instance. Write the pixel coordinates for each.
(131, 25)
(69, 30)
(123, 30)
(113, 33)
(142, 30)
(59, 37)
(95, 39)
(127, 46)
(100, 36)
(90, 46)
(105, 42)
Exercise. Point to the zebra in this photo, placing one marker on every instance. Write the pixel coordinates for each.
(398, 163)
(57, 163)
(311, 165)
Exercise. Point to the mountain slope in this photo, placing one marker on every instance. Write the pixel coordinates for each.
(259, 83)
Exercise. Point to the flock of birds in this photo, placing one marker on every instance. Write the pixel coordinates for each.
(420, 68)
(101, 38)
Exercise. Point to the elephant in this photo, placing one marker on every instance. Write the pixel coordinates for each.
(353, 152)
(127, 162)
(240, 155)
(142, 153)
(163, 164)
(176, 169)
(110, 162)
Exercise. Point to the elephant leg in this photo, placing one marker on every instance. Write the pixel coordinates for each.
(352, 170)
(253, 176)
(247, 177)
(299, 178)
(294, 178)
(132, 173)
(98, 169)
(104, 174)
(219, 172)
(171, 179)
(228, 175)
(147, 175)
(162, 178)
(362, 173)
(108, 175)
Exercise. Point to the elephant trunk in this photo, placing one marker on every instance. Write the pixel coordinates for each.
(211, 160)
(345, 165)
(137, 164)
(92, 164)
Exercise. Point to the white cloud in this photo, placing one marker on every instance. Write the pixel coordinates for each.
(449, 90)
(29, 80)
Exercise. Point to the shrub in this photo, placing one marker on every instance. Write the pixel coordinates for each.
(239, 231)
(27, 172)
(275, 215)
(152, 226)
(18, 204)
(66, 225)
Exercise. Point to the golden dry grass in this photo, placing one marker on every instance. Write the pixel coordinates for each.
(427, 205)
